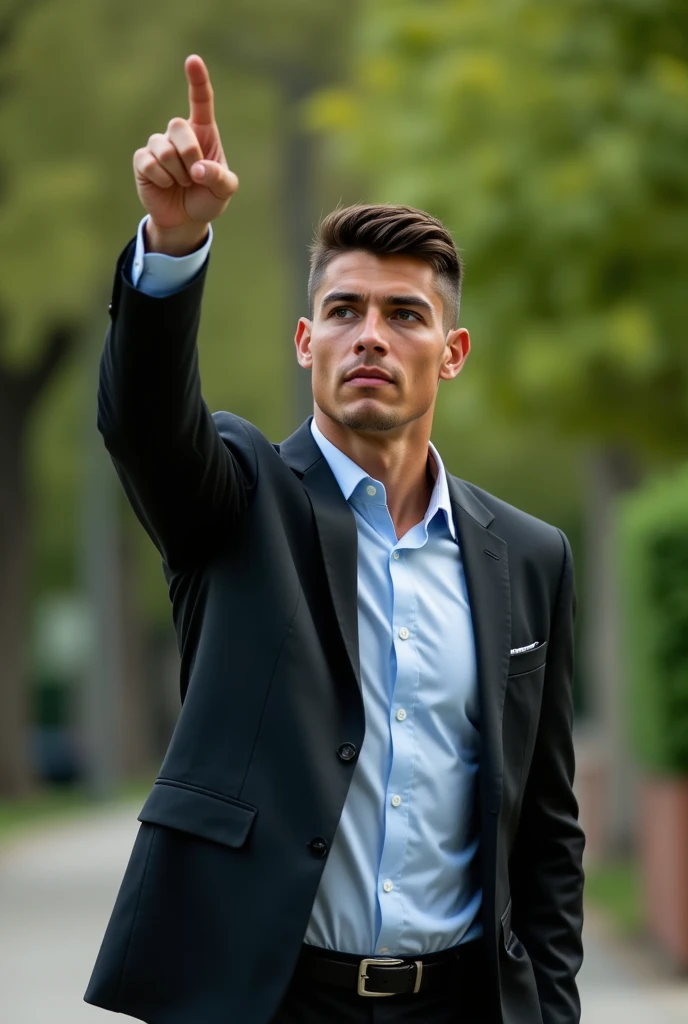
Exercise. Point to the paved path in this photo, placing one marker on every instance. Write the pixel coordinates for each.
(57, 887)
(621, 985)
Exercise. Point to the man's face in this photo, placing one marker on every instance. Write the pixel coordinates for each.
(376, 344)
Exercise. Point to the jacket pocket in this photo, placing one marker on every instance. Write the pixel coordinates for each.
(528, 661)
(197, 811)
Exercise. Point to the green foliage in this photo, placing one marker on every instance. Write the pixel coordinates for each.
(76, 106)
(552, 139)
(654, 554)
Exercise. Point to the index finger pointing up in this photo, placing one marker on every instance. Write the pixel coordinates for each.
(200, 91)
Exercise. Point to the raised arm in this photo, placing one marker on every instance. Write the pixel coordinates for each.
(184, 482)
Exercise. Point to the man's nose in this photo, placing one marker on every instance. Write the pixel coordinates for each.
(371, 338)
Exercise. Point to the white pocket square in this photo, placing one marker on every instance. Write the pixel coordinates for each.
(524, 650)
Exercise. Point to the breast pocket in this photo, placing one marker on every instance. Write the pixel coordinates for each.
(520, 719)
(522, 662)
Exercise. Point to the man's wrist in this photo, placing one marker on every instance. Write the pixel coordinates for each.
(174, 241)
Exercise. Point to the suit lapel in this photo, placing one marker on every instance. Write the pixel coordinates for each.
(486, 568)
(337, 534)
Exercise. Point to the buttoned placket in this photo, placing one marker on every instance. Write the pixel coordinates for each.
(390, 883)
(394, 833)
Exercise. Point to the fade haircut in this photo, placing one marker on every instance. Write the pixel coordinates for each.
(388, 230)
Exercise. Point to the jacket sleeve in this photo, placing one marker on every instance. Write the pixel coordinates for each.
(185, 484)
(546, 871)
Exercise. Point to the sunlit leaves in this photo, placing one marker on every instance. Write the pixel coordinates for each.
(552, 138)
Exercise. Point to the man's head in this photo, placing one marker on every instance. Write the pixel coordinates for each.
(384, 291)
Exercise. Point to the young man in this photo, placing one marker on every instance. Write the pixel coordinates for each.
(365, 812)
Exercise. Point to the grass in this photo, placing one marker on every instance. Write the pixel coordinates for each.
(614, 889)
(57, 802)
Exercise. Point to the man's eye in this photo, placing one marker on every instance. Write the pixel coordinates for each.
(406, 314)
(341, 313)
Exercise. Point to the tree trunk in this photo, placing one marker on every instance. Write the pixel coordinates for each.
(611, 473)
(137, 750)
(298, 163)
(19, 392)
(15, 762)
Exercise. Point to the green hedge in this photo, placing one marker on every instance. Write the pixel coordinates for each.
(654, 559)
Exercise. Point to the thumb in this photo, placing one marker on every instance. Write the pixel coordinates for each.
(222, 182)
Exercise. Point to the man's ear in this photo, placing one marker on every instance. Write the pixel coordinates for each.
(302, 340)
(456, 350)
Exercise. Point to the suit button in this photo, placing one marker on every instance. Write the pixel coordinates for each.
(347, 752)
(318, 847)
(110, 308)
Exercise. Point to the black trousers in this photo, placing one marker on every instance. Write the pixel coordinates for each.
(320, 1004)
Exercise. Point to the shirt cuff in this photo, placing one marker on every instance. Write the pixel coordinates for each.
(159, 275)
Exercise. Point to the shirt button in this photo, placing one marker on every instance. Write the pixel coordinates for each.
(404, 633)
(387, 886)
(395, 556)
(372, 491)
(396, 800)
(401, 715)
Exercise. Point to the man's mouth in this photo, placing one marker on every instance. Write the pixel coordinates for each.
(365, 377)
(368, 382)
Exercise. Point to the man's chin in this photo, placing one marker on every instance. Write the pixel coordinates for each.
(370, 419)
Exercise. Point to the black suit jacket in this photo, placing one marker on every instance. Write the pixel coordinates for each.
(259, 551)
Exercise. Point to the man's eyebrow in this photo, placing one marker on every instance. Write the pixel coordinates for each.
(342, 297)
(407, 300)
(387, 300)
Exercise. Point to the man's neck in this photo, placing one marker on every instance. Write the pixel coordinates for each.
(400, 460)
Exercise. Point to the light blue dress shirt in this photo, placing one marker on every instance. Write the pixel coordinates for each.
(402, 875)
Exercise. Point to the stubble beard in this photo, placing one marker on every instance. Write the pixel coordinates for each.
(370, 420)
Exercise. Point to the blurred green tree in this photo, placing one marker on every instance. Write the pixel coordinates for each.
(552, 138)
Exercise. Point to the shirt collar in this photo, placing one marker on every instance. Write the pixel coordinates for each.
(349, 475)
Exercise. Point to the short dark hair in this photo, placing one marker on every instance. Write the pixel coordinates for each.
(386, 230)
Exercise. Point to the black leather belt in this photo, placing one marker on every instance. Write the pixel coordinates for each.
(389, 976)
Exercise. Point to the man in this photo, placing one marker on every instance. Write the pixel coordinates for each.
(365, 812)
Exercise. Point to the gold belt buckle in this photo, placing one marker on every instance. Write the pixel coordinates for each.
(363, 974)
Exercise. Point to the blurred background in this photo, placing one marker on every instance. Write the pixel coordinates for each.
(552, 139)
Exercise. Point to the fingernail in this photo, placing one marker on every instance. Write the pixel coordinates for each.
(198, 171)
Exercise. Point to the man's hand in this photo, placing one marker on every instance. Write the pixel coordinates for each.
(182, 177)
